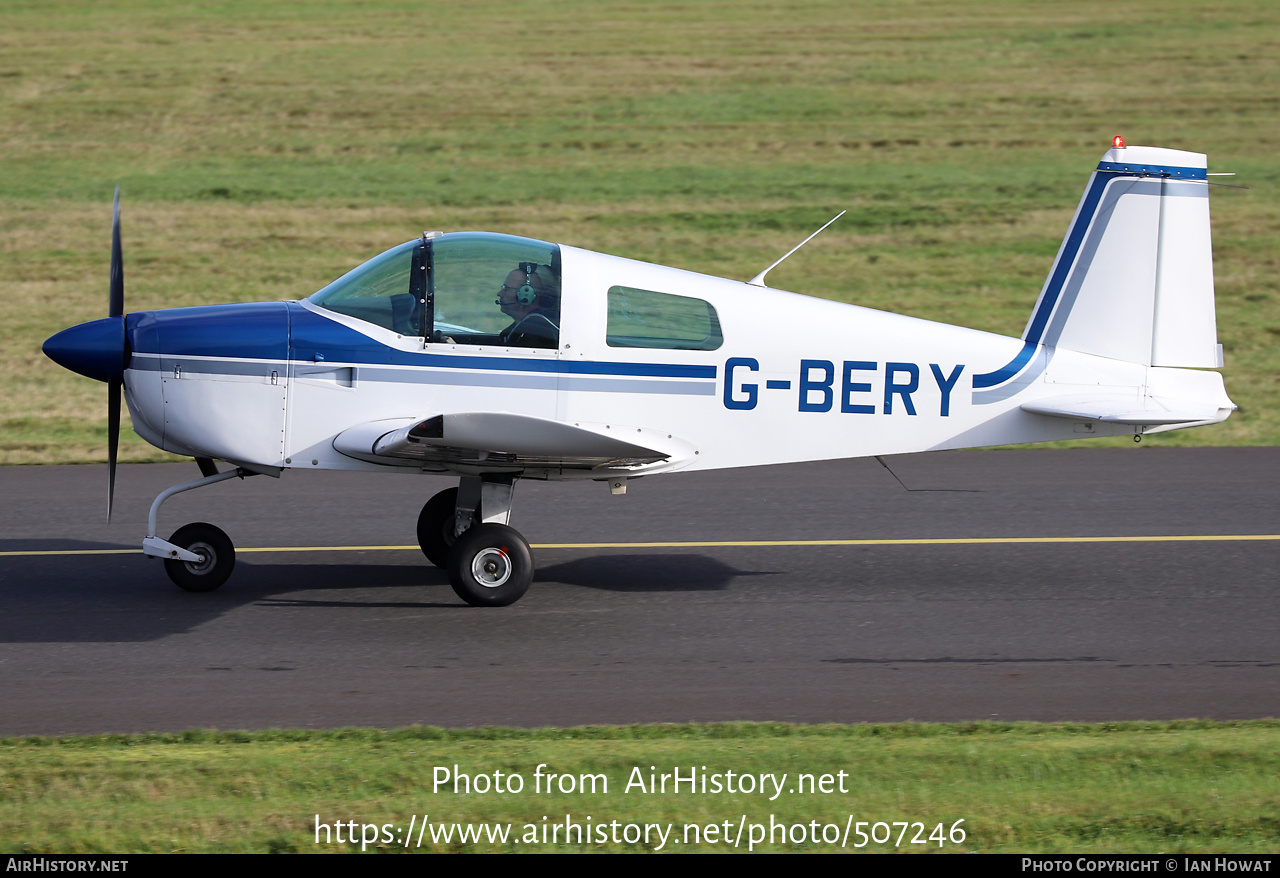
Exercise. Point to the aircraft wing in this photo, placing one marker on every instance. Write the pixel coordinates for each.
(500, 440)
(1123, 408)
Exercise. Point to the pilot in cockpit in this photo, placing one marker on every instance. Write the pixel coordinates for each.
(530, 296)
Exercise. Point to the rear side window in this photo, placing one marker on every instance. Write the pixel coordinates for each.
(645, 319)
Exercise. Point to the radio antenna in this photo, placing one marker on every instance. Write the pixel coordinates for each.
(758, 280)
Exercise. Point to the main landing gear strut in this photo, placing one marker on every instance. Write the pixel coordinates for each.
(464, 530)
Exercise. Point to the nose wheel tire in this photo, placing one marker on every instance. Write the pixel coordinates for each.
(490, 566)
(435, 527)
(217, 558)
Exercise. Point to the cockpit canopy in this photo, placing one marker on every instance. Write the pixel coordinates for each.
(463, 288)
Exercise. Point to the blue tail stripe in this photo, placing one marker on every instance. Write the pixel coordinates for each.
(1004, 373)
(1069, 251)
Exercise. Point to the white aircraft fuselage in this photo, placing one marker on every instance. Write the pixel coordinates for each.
(273, 385)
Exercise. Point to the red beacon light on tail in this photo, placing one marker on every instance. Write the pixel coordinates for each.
(1117, 142)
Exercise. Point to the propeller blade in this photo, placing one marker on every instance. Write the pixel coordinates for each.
(115, 301)
(115, 308)
(113, 439)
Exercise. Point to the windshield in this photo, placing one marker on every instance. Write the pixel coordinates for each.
(378, 292)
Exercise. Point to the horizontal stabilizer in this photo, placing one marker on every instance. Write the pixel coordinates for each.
(502, 440)
(1128, 409)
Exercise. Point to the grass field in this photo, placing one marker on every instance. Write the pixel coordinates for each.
(263, 150)
(1186, 787)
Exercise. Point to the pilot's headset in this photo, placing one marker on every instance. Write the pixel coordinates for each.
(536, 282)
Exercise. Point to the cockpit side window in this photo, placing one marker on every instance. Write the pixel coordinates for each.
(646, 319)
(492, 289)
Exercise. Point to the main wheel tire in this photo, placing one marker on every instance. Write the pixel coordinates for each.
(217, 557)
(435, 527)
(490, 566)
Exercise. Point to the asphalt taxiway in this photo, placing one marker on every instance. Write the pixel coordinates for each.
(1004, 585)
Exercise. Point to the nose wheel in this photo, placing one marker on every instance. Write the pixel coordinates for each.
(217, 558)
(490, 565)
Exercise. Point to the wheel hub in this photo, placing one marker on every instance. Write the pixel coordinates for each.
(207, 558)
(491, 567)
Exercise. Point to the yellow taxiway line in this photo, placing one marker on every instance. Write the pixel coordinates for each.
(721, 544)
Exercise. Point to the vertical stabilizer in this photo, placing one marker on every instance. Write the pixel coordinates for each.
(1133, 279)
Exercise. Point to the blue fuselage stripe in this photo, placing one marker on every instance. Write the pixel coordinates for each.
(513, 364)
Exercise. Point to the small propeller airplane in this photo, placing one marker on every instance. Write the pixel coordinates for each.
(494, 358)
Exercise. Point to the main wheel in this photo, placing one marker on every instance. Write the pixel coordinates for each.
(490, 566)
(435, 527)
(217, 557)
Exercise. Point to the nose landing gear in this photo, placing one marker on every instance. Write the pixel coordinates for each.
(198, 557)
